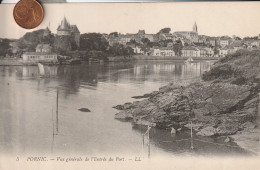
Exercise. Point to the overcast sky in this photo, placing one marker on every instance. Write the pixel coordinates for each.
(214, 18)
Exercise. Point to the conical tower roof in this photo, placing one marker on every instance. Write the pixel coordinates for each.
(64, 24)
(47, 29)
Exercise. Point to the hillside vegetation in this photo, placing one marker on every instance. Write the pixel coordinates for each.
(242, 67)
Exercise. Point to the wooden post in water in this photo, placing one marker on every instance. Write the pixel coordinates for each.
(148, 137)
(52, 143)
(143, 145)
(191, 135)
(57, 112)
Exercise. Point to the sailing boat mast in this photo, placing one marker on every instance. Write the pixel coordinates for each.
(57, 121)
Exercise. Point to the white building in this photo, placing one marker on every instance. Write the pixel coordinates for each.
(163, 51)
(43, 54)
(206, 52)
(138, 50)
(190, 51)
(223, 42)
(226, 50)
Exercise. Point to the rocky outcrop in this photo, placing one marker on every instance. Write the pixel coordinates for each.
(214, 108)
(225, 103)
(124, 115)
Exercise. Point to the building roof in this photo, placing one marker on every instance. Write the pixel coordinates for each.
(64, 24)
(74, 29)
(204, 48)
(225, 38)
(39, 53)
(227, 48)
(141, 32)
(190, 48)
(127, 36)
(47, 29)
(185, 32)
(163, 48)
(237, 43)
(43, 46)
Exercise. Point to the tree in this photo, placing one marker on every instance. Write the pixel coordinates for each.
(115, 34)
(4, 47)
(30, 40)
(164, 31)
(120, 50)
(62, 44)
(250, 38)
(93, 41)
(177, 47)
(145, 40)
(132, 42)
(238, 38)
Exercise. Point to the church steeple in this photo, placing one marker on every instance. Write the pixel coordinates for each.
(195, 28)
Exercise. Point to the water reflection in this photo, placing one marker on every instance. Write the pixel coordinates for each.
(29, 102)
(90, 74)
(180, 143)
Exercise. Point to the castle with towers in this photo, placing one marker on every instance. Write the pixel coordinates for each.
(65, 29)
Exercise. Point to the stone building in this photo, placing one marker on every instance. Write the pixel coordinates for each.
(65, 29)
(224, 41)
(190, 51)
(163, 51)
(191, 35)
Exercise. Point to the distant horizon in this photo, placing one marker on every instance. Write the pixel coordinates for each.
(212, 18)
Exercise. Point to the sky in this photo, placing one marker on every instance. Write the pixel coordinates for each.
(212, 18)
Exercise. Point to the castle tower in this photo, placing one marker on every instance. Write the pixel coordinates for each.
(195, 28)
(64, 28)
(46, 32)
(76, 34)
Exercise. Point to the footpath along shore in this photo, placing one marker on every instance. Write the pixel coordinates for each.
(149, 57)
(225, 102)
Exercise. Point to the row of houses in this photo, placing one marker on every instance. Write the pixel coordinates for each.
(194, 45)
(125, 38)
(188, 51)
(237, 45)
(197, 51)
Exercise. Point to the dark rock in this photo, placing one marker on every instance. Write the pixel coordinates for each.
(123, 107)
(207, 131)
(84, 110)
(126, 115)
(146, 95)
(248, 126)
(227, 127)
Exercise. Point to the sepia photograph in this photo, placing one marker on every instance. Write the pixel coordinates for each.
(130, 84)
